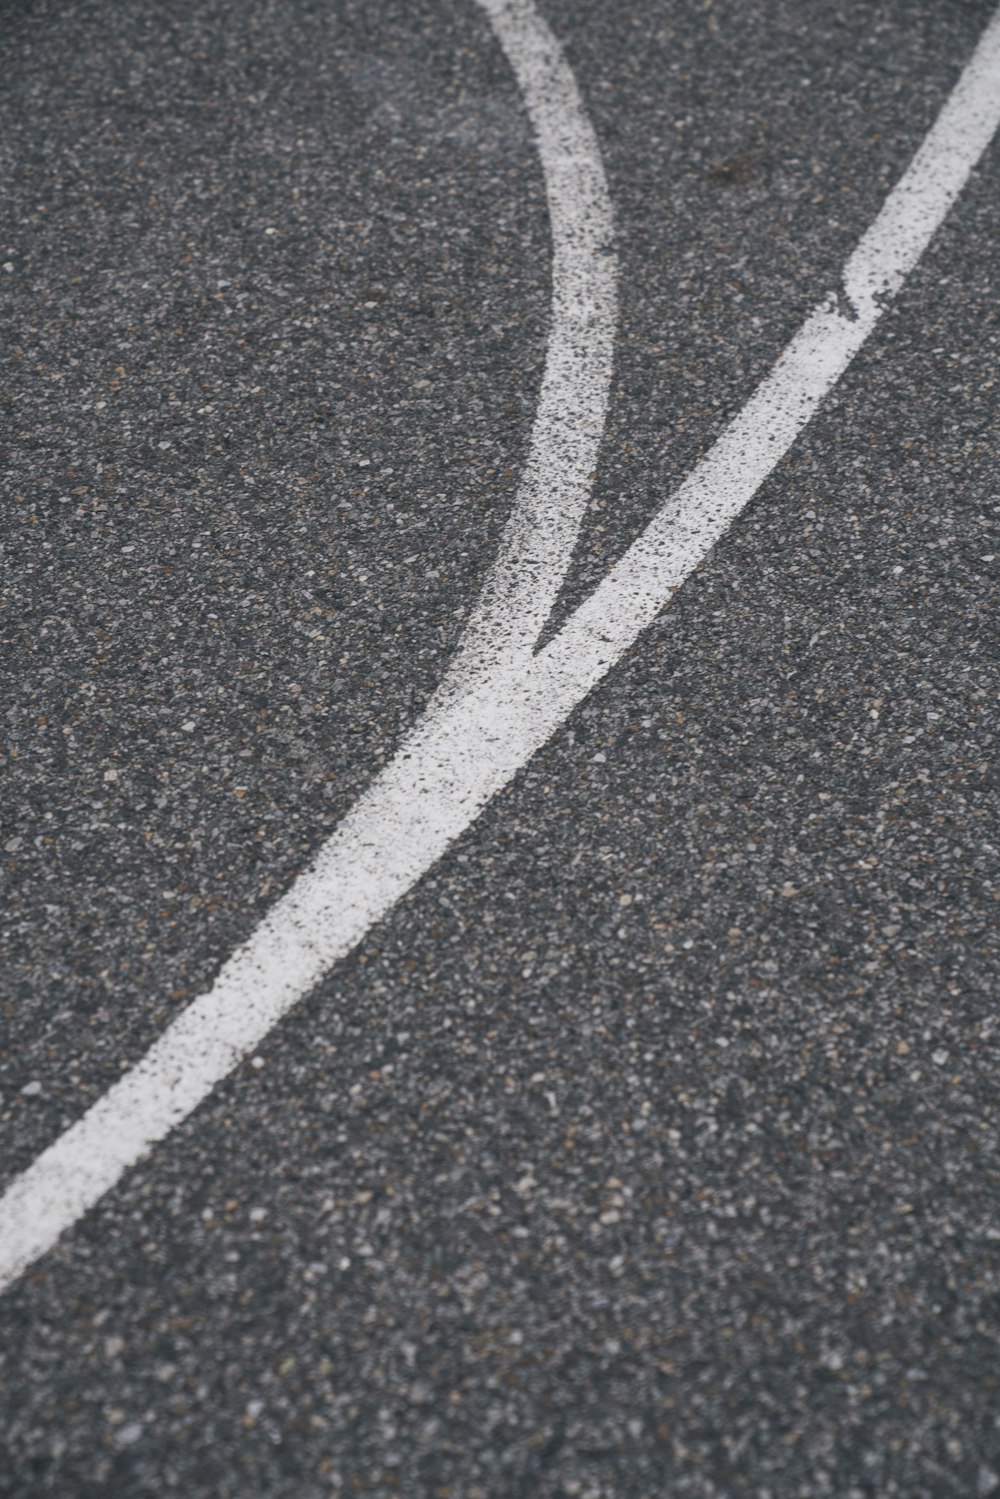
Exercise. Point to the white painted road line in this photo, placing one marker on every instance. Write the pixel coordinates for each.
(479, 732)
(555, 483)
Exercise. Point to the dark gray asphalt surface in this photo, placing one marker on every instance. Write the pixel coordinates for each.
(651, 1146)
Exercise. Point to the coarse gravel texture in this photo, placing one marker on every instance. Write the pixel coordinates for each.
(650, 1147)
(266, 423)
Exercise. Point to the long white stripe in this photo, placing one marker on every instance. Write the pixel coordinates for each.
(474, 740)
(401, 826)
(534, 554)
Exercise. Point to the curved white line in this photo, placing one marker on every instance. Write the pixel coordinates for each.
(265, 977)
(471, 743)
(534, 555)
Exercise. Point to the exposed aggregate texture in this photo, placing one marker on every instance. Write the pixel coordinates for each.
(650, 1147)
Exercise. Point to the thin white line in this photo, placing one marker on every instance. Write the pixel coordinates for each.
(317, 922)
(535, 551)
(473, 741)
(705, 505)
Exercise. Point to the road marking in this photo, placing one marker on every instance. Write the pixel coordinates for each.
(518, 595)
(265, 978)
(485, 724)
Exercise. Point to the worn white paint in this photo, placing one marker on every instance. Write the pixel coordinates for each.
(521, 588)
(504, 702)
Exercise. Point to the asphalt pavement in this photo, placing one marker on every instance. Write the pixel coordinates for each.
(649, 1147)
